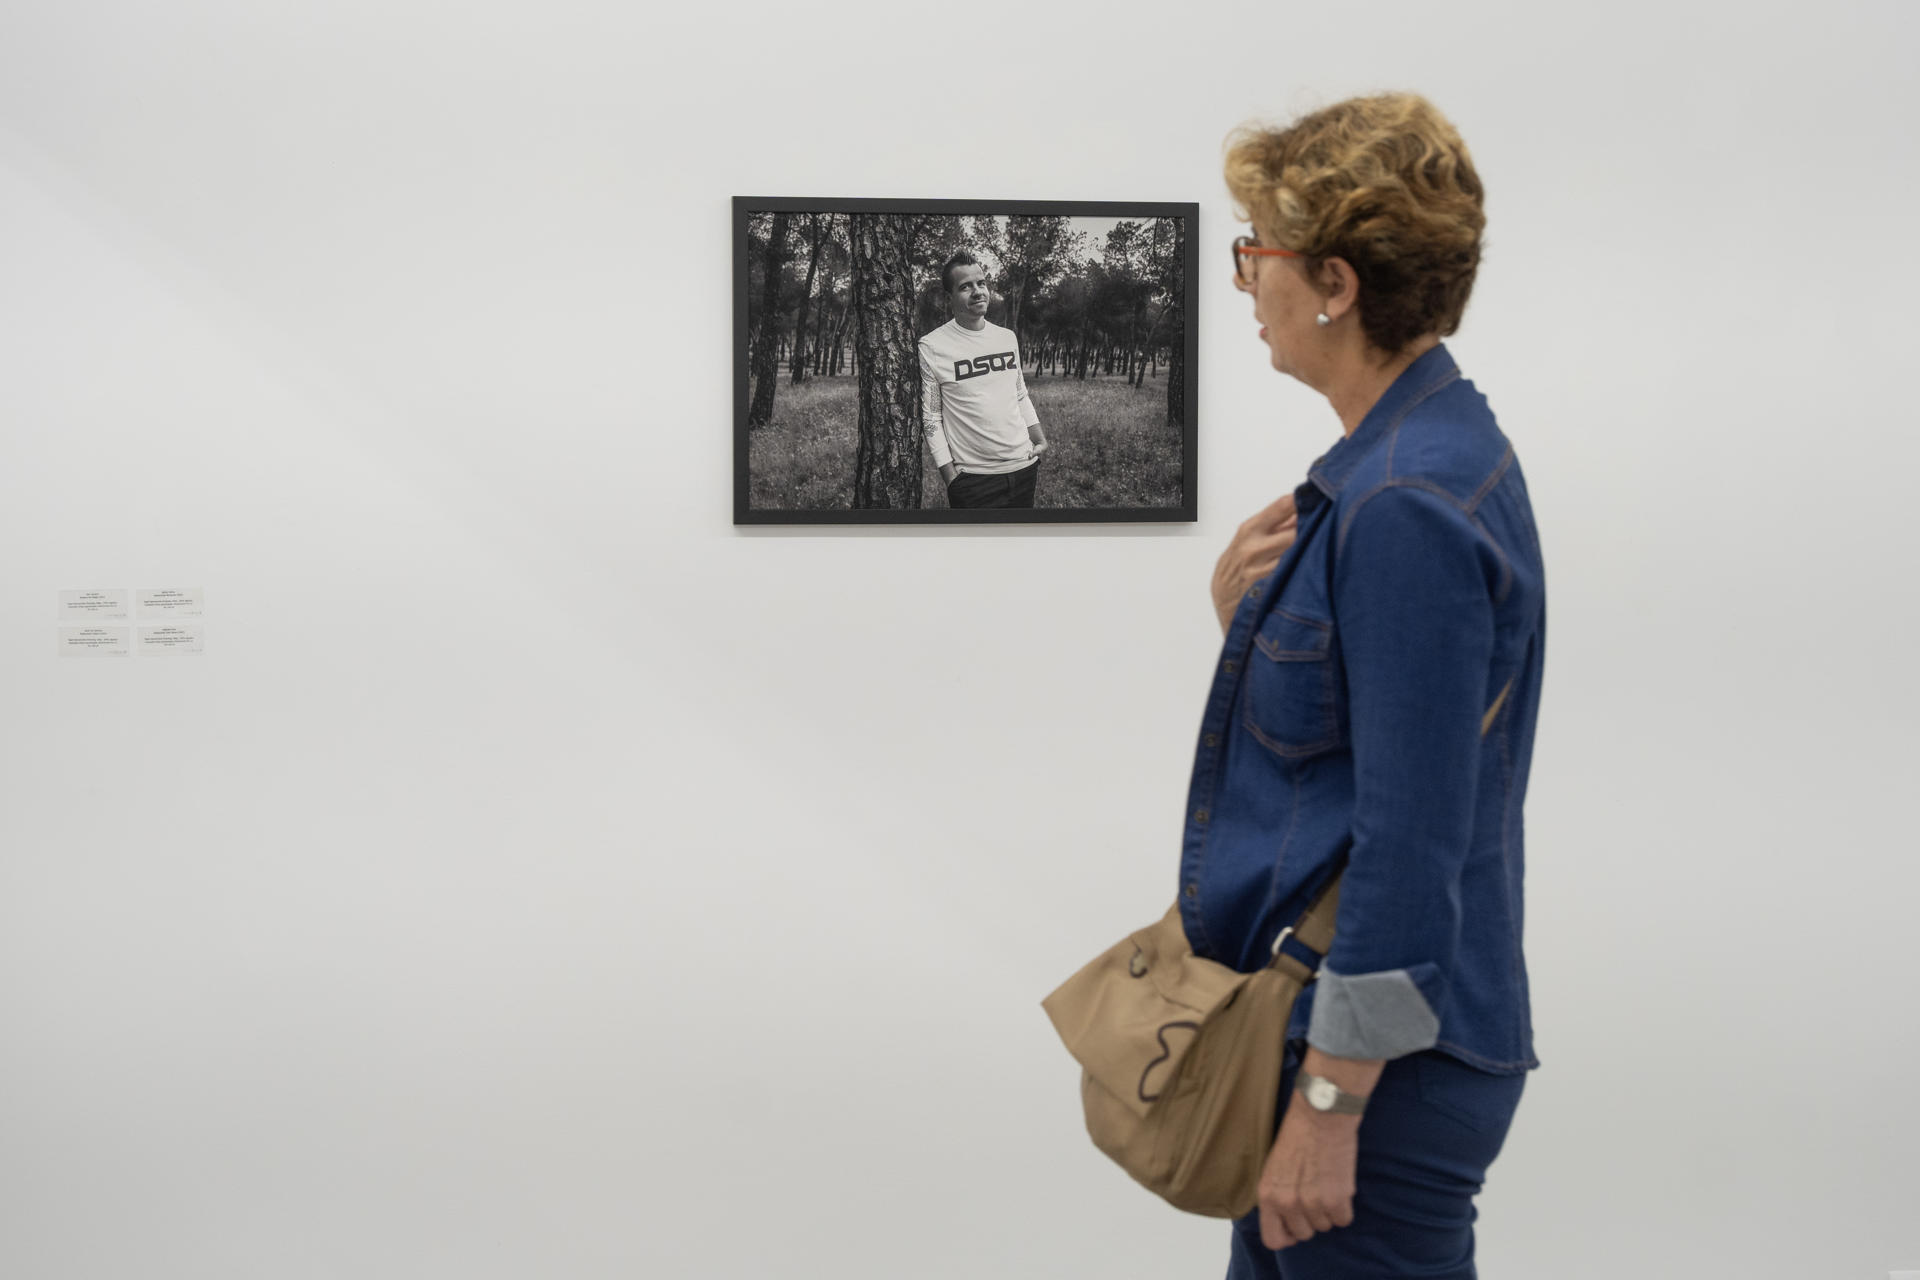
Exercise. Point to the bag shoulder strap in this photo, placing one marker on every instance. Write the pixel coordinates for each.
(1314, 928)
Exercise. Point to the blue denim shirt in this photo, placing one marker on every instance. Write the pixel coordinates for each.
(1376, 697)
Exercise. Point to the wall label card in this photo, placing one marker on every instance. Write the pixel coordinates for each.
(163, 640)
(172, 602)
(98, 605)
(94, 642)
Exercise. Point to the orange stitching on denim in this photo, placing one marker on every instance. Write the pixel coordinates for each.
(1286, 841)
(1281, 748)
(1519, 962)
(1289, 655)
(1427, 486)
(1486, 486)
(1301, 617)
(1393, 432)
(1480, 1059)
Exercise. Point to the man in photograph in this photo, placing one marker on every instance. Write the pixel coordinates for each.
(985, 437)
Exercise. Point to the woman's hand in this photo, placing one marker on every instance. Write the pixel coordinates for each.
(1256, 548)
(1307, 1184)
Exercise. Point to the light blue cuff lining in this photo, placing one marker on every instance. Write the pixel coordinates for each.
(1371, 1015)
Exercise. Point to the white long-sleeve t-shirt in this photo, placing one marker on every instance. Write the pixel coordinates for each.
(973, 399)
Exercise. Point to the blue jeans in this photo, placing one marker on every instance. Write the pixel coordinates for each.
(1433, 1125)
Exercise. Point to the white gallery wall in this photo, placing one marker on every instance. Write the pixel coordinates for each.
(537, 876)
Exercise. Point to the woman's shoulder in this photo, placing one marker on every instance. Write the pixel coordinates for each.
(1446, 474)
(1449, 445)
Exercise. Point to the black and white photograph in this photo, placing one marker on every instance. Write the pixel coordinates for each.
(952, 361)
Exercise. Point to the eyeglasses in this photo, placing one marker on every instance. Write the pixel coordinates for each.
(1244, 248)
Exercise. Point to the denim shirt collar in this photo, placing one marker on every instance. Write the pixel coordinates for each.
(1329, 473)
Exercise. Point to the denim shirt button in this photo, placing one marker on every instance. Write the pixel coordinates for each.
(1231, 666)
(1193, 890)
(1200, 815)
(1212, 739)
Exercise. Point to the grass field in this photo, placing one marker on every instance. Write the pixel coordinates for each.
(1110, 447)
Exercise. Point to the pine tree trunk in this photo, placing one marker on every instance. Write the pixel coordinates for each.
(766, 352)
(821, 328)
(840, 336)
(1149, 346)
(887, 461)
(819, 238)
(1177, 329)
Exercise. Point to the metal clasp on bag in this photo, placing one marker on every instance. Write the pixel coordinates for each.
(1284, 935)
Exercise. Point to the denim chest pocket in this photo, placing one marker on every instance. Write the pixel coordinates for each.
(1293, 705)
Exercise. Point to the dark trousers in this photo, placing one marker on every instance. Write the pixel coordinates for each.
(1433, 1125)
(1014, 489)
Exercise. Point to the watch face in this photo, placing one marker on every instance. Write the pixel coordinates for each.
(1321, 1093)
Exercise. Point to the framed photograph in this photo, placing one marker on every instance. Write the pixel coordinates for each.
(963, 361)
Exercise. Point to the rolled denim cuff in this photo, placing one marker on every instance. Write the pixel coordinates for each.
(1371, 1015)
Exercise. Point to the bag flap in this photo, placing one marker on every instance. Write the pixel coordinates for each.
(1130, 1015)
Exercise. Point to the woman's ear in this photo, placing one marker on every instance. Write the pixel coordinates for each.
(1339, 286)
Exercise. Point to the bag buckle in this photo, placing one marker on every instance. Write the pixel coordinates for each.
(1284, 935)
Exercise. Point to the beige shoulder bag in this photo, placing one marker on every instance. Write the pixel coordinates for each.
(1181, 1057)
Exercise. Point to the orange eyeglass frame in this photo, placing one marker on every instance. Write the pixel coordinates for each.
(1244, 247)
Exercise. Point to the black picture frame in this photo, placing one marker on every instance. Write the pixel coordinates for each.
(1184, 510)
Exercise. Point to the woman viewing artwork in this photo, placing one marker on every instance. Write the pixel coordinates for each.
(1374, 705)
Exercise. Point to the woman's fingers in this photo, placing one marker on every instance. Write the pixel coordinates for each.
(1294, 1221)
(1258, 557)
(1262, 547)
(1317, 1215)
(1276, 513)
(1253, 553)
(1283, 1216)
(1272, 1234)
(1282, 506)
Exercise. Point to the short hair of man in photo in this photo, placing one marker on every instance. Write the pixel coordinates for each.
(960, 258)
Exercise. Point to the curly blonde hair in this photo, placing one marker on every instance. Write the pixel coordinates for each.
(1385, 183)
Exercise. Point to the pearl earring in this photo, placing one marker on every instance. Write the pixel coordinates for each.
(1322, 320)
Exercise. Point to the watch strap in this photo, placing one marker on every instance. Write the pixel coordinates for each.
(1317, 1087)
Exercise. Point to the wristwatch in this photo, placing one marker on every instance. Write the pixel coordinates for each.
(1324, 1095)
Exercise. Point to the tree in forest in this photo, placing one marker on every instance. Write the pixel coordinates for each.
(987, 237)
(1125, 261)
(766, 342)
(1038, 251)
(935, 237)
(886, 468)
(1074, 305)
(819, 227)
(1162, 268)
(1176, 313)
(828, 307)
